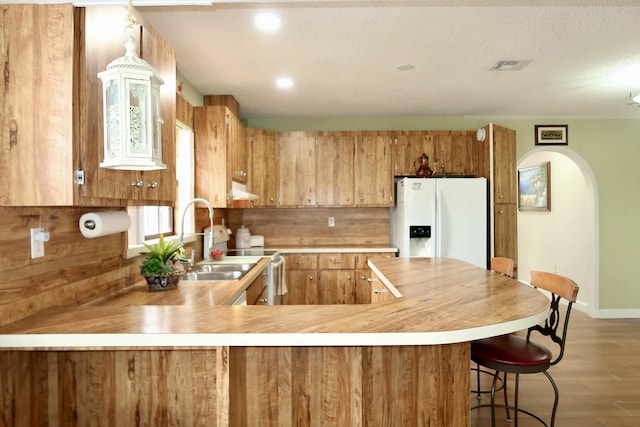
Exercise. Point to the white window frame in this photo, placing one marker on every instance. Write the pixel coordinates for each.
(184, 193)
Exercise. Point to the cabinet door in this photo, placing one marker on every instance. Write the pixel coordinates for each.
(302, 287)
(256, 290)
(409, 145)
(454, 153)
(504, 164)
(505, 230)
(36, 100)
(363, 286)
(379, 291)
(296, 169)
(210, 140)
(336, 287)
(263, 166)
(334, 168)
(95, 47)
(238, 150)
(373, 172)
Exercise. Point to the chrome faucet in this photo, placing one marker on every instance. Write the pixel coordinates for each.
(206, 202)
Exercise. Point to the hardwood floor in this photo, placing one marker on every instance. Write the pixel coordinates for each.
(598, 379)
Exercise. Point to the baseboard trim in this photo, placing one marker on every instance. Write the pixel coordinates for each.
(617, 313)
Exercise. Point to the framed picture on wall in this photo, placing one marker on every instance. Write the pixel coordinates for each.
(534, 187)
(551, 134)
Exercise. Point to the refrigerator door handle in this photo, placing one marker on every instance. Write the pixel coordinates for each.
(438, 227)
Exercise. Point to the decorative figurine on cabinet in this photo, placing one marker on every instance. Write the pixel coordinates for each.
(422, 166)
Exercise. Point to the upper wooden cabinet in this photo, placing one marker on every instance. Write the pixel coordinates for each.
(263, 175)
(373, 174)
(51, 102)
(212, 136)
(334, 168)
(407, 147)
(296, 169)
(449, 152)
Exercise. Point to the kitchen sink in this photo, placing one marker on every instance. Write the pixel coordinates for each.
(218, 272)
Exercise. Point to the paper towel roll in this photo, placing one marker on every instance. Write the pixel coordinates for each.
(98, 224)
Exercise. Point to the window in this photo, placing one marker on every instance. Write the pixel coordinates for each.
(148, 222)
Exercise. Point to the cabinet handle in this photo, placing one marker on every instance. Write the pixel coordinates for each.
(361, 198)
(154, 184)
(263, 300)
(501, 212)
(336, 261)
(271, 199)
(348, 277)
(378, 291)
(500, 196)
(137, 183)
(346, 199)
(310, 277)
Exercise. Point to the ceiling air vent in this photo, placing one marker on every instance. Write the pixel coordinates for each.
(509, 65)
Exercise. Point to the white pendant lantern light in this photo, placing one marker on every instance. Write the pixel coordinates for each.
(131, 111)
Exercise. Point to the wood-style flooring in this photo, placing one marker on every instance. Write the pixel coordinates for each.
(598, 379)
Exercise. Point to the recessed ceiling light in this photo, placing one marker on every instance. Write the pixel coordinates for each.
(267, 21)
(284, 83)
(406, 67)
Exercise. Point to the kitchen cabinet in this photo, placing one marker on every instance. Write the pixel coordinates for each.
(379, 292)
(54, 116)
(336, 279)
(239, 150)
(302, 279)
(334, 169)
(212, 136)
(329, 278)
(364, 280)
(407, 147)
(497, 162)
(257, 291)
(263, 175)
(449, 152)
(296, 169)
(454, 153)
(373, 176)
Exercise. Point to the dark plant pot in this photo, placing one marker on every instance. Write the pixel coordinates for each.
(162, 283)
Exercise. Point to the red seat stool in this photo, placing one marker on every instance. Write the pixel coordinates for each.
(519, 355)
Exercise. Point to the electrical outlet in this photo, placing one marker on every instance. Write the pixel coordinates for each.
(37, 245)
(332, 221)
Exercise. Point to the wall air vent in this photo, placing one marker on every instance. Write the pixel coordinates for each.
(509, 65)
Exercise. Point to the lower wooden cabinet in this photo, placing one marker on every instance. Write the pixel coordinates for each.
(257, 291)
(339, 278)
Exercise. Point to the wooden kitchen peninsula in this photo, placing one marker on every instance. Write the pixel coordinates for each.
(400, 362)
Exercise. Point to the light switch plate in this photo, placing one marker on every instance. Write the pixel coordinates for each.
(332, 221)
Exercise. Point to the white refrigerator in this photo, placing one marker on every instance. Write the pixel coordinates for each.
(441, 218)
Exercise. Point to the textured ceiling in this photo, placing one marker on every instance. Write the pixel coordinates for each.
(583, 57)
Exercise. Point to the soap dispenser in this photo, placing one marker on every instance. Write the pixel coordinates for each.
(243, 238)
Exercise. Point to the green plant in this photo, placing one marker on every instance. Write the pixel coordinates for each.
(163, 258)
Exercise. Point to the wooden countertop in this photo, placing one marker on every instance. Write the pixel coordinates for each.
(444, 301)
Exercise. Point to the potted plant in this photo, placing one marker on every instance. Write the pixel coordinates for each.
(164, 265)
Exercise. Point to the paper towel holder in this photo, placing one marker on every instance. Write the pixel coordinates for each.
(90, 224)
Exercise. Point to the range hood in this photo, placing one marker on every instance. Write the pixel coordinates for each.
(239, 192)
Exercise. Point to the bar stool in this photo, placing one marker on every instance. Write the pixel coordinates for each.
(518, 355)
(505, 266)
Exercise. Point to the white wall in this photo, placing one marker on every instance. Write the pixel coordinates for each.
(561, 240)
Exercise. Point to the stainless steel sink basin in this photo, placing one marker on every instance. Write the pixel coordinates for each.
(210, 268)
(218, 272)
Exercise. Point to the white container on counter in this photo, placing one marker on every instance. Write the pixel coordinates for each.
(243, 238)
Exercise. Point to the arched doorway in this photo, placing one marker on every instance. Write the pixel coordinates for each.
(566, 239)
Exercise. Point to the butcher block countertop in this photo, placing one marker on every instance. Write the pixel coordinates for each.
(442, 301)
